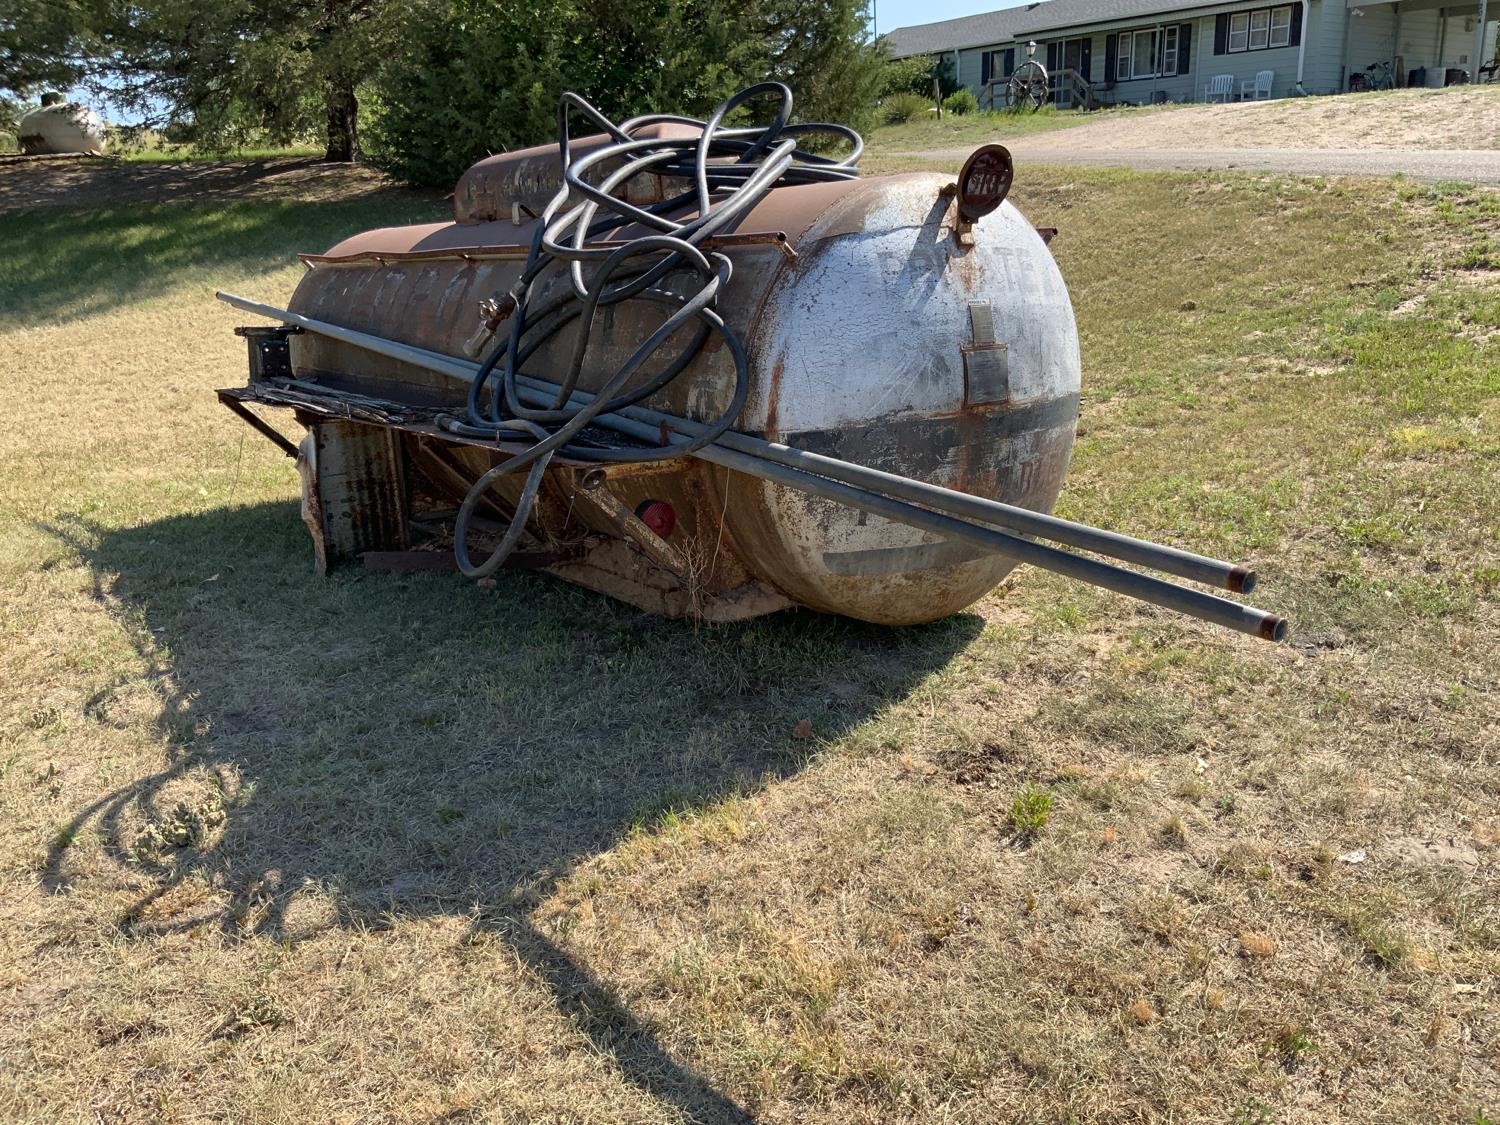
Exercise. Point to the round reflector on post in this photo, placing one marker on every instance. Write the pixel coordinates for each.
(985, 181)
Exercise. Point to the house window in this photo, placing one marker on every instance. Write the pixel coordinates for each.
(1239, 31)
(1260, 30)
(1256, 31)
(1147, 54)
(997, 65)
(1281, 27)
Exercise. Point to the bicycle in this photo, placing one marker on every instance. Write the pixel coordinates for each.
(1380, 77)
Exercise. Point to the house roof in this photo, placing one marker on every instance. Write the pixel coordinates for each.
(1028, 19)
(1070, 13)
(949, 35)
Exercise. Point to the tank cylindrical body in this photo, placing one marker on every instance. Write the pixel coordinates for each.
(62, 127)
(874, 334)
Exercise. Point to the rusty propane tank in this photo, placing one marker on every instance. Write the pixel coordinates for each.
(720, 377)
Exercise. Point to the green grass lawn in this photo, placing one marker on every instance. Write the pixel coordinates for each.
(63, 263)
(954, 130)
(275, 847)
(178, 154)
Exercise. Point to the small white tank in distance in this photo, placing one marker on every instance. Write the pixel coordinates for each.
(60, 127)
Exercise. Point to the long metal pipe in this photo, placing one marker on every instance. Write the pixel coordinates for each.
(1221, 611)
(1184, 564)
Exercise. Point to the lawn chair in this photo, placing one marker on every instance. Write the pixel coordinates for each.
(1219, 86)
(1258, 87)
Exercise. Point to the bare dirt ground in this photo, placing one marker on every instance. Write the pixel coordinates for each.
(1431, 135)
(1465, 117)
(104, 182)
(1468, 166)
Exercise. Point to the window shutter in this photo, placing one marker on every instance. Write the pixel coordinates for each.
(984, 67)
(1296, 39)
(1184, 47)
(1111, 47)
(1010, 62)
(1221, 34)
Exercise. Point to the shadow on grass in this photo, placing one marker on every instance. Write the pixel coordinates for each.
(418, 746)
(63, 263)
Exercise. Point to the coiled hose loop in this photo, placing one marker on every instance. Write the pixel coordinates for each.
(729, 170)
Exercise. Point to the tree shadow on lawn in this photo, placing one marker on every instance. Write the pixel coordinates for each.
(66, 263)
(419, 746)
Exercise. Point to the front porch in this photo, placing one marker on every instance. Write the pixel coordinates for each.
(1431, 43)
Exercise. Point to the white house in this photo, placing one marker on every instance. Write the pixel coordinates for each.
(1144, 51)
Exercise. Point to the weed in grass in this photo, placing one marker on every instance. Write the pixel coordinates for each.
(1254, 1113)
(1030, 811)
(1192, 789)
(258, 1012)
(1174, 832)
(1161, 915)
(1291, 1045)
(187, 826)
(1383, 941)
(1103, 793)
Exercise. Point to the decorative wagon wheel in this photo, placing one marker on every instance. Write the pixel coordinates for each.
(1027, 88)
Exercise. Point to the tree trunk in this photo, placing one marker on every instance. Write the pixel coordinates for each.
(343, 123)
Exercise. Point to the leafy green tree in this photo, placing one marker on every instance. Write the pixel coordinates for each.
(818, 48)
(914, 75)
(282, 70)
(482, 76)
(911, 75)
(44, 43)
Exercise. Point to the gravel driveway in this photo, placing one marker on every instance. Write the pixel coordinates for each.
(1478, 166)
(1481, 166)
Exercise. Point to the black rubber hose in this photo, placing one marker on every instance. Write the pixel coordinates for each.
(730, 170)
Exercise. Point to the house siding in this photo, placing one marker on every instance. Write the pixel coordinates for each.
(1172, 87)
(1244, 65)
(1323, 72)
(969, 65)
(1372, 37)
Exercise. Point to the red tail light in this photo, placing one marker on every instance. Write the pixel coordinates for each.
(658, 516)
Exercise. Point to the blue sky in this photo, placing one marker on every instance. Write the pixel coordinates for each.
(903, 13)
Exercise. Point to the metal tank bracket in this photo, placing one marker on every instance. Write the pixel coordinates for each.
(270, 354)
(986, 361)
